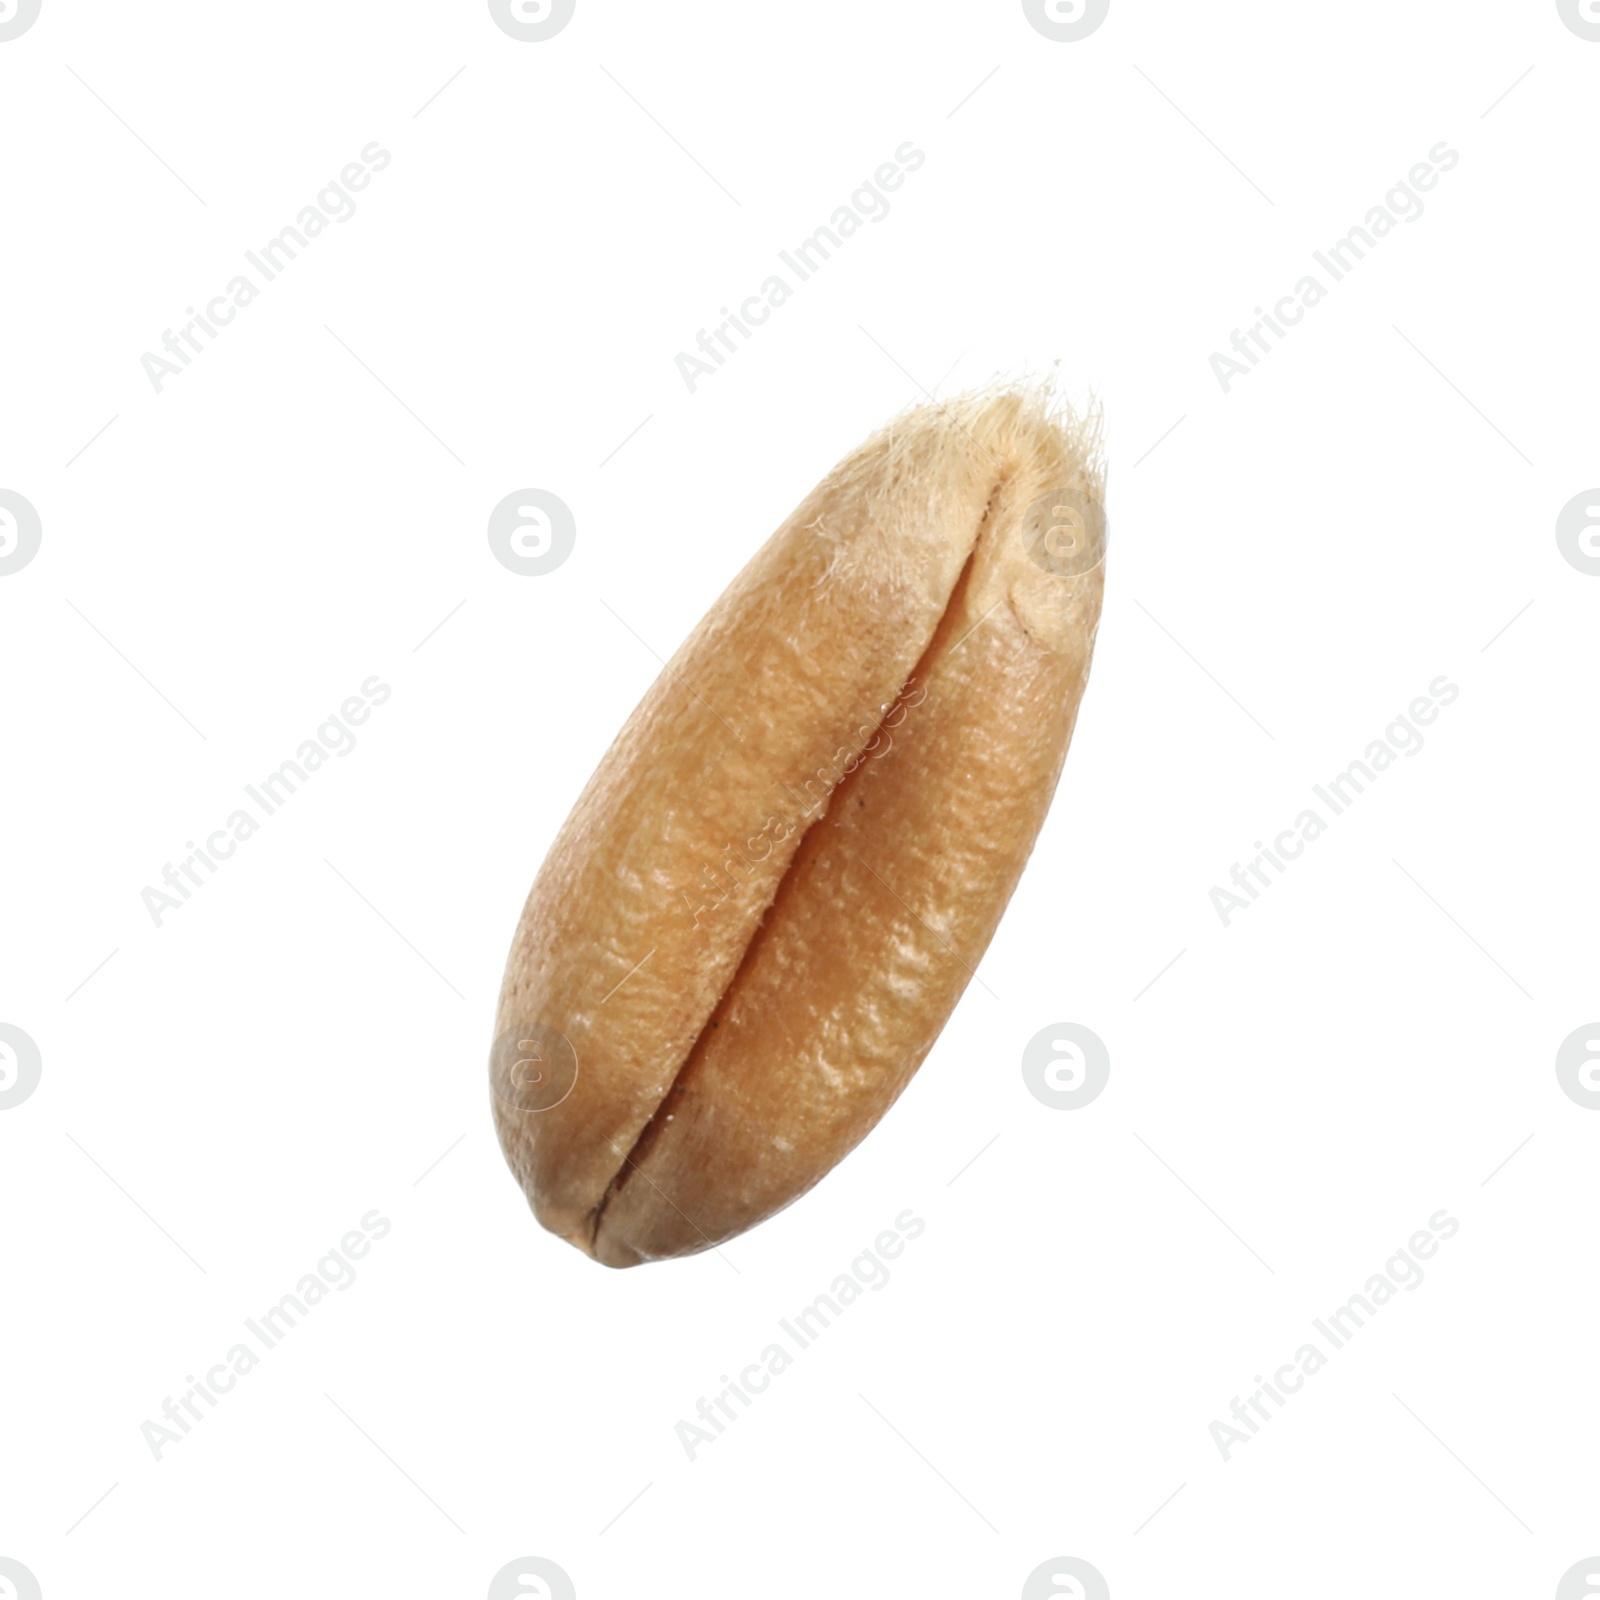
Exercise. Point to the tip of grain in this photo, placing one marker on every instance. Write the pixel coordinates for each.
(1013, 427)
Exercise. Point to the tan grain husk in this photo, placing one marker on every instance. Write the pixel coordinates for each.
(806, 833)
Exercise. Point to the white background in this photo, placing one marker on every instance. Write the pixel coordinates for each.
(1292, 563)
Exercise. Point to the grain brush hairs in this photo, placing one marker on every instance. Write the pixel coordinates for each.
(768, 899)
